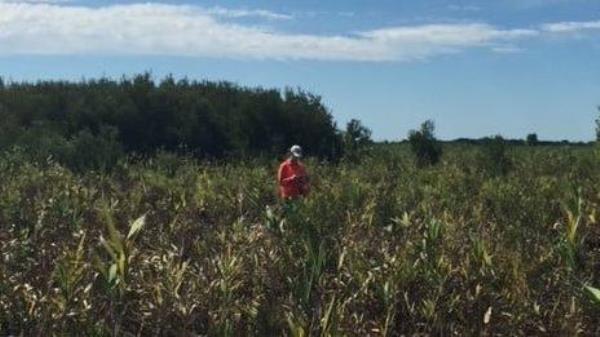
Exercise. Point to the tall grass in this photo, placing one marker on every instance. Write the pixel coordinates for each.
(172, 247)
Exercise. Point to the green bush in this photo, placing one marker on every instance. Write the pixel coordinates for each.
(42, 143)
(89, 151)
(494, 158)
(84, 151)
(532, 139)
(424, 145)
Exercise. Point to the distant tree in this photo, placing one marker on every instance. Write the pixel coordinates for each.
(532, 139)
(424, 145)
(356, 135)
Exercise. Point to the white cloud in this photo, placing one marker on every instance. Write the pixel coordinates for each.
(240, 13)
(157, 29)
(160, 29)
(447, 34)
(423, 41)
(571, 26)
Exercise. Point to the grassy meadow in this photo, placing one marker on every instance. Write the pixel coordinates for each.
(172, 246)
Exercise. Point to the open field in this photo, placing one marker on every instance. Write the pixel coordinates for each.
(172, 247)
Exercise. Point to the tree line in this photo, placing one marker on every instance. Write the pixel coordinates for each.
(94, 122)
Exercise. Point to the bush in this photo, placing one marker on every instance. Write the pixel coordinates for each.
(89, 151)
(41, 143)
(494, 158)
(424, 145)
(532, 139)
(84, 151)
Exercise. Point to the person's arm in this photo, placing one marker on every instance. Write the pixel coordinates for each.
(281, 177)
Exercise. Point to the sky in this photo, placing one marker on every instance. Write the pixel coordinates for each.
(477, 68)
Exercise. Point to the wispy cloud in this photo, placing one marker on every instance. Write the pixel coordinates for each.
(240, 13)
(160, 29)
(571, 26)
(216, 11)
(427, 40)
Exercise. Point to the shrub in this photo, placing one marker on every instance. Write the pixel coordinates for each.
(532, 139)
(41, 143)
(494, 158)
(424, 145)
(94, 151)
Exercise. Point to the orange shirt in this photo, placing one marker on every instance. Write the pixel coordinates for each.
(293, 180)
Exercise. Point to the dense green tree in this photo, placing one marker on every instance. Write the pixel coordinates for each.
(206, 119)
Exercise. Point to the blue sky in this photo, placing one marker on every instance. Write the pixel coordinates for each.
(478, 68)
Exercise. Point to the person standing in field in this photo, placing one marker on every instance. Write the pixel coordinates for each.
(292, 177)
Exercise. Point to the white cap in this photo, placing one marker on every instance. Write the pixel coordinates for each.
(296, 151)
